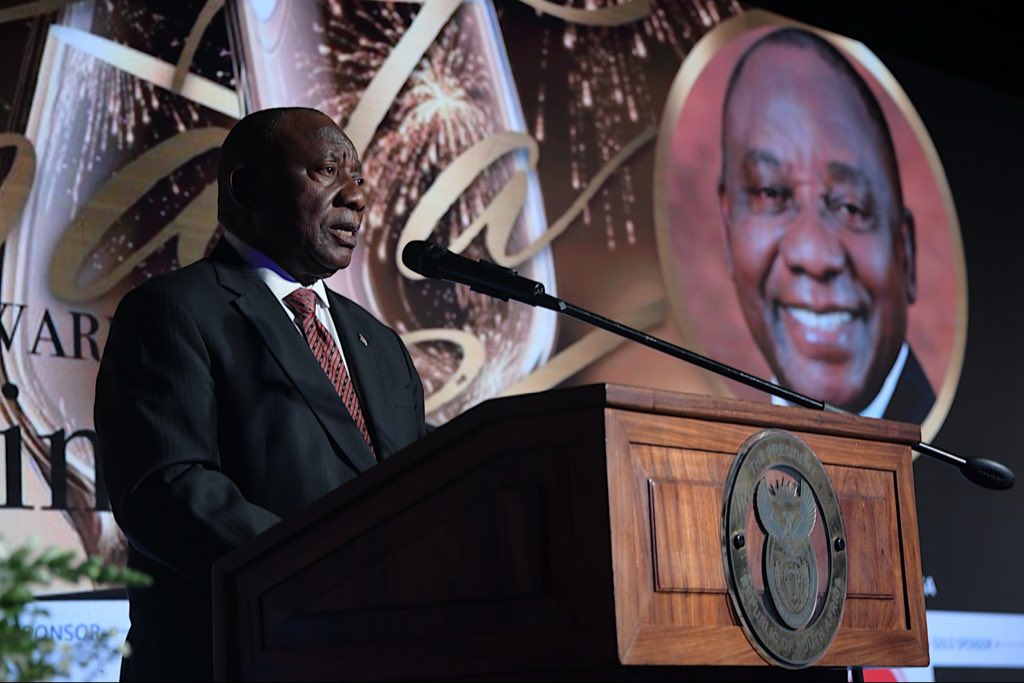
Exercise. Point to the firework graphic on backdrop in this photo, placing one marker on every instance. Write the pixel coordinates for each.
(450, 102)
(105, 116)
(608, 91)
(326, 54)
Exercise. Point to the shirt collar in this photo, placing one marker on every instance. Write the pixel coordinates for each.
(272, 275)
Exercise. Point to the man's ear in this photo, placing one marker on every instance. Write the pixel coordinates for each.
(723, 225)
(909, 240)
(246, 187)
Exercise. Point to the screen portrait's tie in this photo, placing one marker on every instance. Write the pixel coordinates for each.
(303, 303)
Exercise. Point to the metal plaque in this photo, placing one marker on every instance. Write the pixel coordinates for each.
(784, 549)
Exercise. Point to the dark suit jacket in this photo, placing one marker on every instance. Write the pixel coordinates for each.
(913, 397)
(214, 421)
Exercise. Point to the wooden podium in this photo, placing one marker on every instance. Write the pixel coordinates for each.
(569, 534)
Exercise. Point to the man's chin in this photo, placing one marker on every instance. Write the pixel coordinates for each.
(329, 264)
(835, 385)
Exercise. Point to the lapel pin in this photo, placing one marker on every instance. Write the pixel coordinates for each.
(363, 339)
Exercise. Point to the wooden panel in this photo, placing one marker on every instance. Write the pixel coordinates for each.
(692, 547)
(690, 610)
(867, 500)
(722, 645)
(630, 536)
(883, 622)
(681, 465)
(685, 493)
(484, 563)
(495, 557)
(686, 534)
(873, 552)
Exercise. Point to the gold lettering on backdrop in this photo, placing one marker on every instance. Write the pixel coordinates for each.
(497, 240)
(201, 90)
(453, 181)
(392, 75)
(193, 225)
(616, 15)
(501, 213)
(16, 187)
(588, 349)
(192, 43)
(31, 9)
(473, 356)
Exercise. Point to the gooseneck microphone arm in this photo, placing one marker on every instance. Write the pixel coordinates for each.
(435, 261)
(685, 354)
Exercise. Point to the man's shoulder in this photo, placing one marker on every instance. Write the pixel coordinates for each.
(190, 285)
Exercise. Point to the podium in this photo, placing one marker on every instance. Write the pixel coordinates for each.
(571, 534)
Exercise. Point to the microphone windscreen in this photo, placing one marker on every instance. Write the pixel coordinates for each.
(419, 256)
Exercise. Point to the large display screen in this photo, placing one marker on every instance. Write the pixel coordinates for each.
(770, 194)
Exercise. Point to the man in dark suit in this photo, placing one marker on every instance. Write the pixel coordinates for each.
(819, 243)
(237, 390)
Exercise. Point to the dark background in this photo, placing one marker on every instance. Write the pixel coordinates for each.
(977, 41)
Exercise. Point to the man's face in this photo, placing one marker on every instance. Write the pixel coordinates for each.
(313, 200)
(818, 247)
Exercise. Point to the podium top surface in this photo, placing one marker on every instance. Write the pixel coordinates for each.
(660, 402)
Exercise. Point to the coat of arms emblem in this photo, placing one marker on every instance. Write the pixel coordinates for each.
(787, 513)
(783, 545)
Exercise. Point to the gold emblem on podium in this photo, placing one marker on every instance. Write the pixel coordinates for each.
(783, 545)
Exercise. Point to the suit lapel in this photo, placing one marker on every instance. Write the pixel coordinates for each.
(257, 303)
(362, 357)
(913, 397)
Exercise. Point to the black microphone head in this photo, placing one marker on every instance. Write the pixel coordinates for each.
(421, 257)
(988, 473)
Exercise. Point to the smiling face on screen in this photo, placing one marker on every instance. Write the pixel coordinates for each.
(819, 247)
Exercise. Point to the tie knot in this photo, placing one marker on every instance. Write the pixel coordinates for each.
(302, 301)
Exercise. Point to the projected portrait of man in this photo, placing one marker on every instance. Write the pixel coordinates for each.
(818, 242)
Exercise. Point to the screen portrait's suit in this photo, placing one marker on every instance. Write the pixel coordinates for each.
(214, 421)
(913, 397)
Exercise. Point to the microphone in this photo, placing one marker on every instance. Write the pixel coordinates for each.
(435, 261)
(432, 260)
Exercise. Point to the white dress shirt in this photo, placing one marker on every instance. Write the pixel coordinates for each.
(282, 284)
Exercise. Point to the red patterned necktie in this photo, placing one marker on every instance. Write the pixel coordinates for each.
(303, 303)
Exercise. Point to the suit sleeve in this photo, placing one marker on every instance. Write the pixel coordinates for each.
(416, 383)
(157, 435)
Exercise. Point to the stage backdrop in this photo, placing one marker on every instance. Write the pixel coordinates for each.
(579, 142)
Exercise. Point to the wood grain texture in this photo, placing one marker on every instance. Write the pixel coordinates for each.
(681, 458)
(557, 534)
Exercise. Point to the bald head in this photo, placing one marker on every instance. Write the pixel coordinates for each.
(791, 60)
(252, 142)
(290, 185)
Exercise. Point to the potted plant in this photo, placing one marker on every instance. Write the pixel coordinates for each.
(25, 656)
